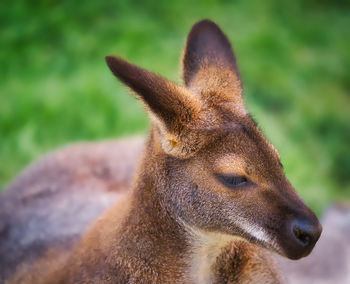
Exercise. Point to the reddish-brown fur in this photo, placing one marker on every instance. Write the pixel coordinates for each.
(179, 223)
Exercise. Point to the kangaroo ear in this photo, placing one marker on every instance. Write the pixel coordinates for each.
(209, 61)
(172, 107)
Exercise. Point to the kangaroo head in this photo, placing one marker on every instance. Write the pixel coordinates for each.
(221, 174)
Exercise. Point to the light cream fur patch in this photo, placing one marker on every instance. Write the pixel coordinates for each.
(206, 247)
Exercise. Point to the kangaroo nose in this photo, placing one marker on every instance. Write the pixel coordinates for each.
(306, 233)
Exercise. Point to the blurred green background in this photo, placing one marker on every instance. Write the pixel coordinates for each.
(294, 58)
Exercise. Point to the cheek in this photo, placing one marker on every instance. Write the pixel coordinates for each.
(210, 210)
(199, 207)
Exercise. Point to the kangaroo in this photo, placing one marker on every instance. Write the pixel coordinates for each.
(209, 200)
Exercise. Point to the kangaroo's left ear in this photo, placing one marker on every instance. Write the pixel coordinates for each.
(209, 64)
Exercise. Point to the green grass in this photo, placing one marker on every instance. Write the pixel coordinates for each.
(293, 56)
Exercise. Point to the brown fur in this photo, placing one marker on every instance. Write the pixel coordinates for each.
(179, 223)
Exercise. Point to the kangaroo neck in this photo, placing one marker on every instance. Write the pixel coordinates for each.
(150, 237)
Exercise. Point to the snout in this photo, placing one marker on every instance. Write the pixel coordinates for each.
(302, 233)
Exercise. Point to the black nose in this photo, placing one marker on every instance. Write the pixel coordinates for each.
(306, 233)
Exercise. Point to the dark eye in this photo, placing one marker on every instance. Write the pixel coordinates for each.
(232, 180)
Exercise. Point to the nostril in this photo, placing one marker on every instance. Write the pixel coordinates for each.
(303, 236)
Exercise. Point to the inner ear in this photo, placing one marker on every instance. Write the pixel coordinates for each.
(207, 47)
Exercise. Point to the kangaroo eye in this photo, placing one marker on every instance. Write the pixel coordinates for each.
(232, 181)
